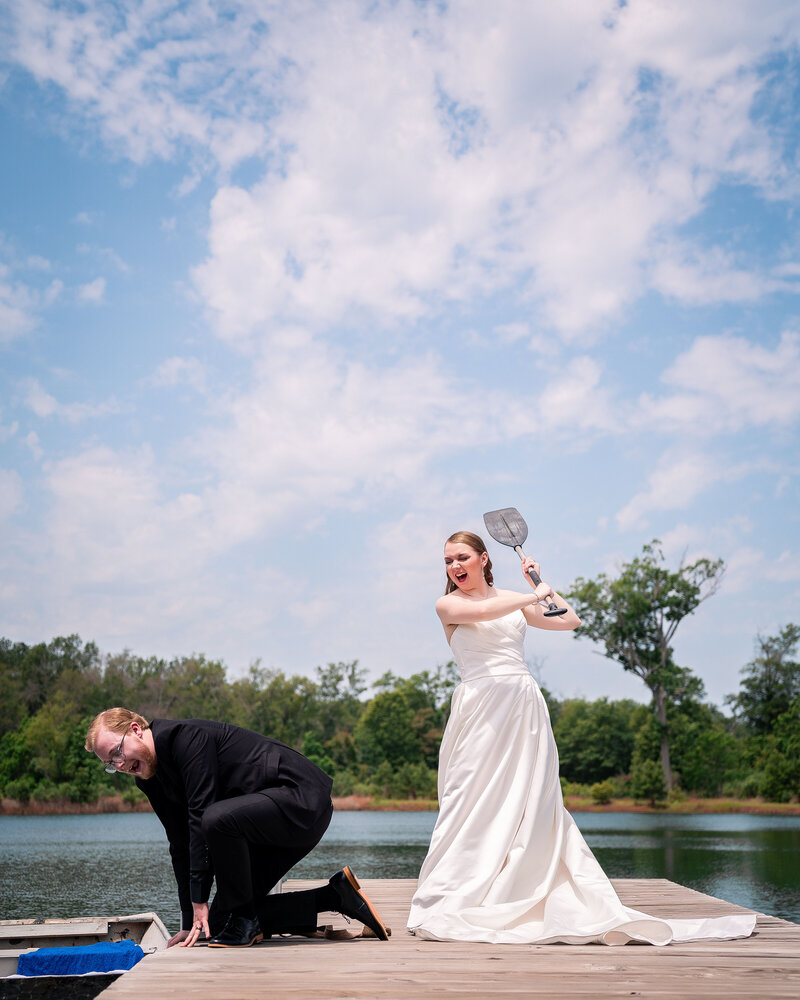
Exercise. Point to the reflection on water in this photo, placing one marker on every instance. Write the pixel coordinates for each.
(750, 860)
(89, 865)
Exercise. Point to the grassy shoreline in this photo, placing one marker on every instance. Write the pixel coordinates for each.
(364, 803)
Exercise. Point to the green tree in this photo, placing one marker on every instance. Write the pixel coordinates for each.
(771, 681)
(341, 748)
(385, 731)
(781, 757)
(271, 703)
(314, 750)
(595, 738)
(706, 754)
(339, 689)
(647, 782)
(382, 780)
(136, 682)
(197, 688)
(16, 757)
(84, 779)
(12, 685)
(635, 617)
(422, 701)
(49, 736)
(29, 675)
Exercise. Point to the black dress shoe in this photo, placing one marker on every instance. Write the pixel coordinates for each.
(353, 902)
(239, 932)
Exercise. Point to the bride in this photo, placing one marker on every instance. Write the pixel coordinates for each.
(507, 862)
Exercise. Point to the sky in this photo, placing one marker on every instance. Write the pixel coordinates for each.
(289, 292)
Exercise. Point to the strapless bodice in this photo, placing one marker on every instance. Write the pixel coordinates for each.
(490, 649)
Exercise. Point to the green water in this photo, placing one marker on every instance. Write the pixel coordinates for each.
(89, 865)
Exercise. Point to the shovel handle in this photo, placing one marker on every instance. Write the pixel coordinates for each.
(553, 609)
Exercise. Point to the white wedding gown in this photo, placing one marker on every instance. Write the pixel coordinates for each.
(507, 862)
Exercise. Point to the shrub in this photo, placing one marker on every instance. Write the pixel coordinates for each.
(381, 783)
(414, 781)
(132, 795)
(45, 791)
(602, 792)
(647, 782)
(20, 788)
(621, 783)
(344, 782)
(748, 787)
(574, 789)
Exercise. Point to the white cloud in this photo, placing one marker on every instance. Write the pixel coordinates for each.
(11, 493)
(559, 183)
(574, 400)
(139, 74)
(23, 300)
(315, 429)
(179, 371)
(675, 482)
(415, 154)
(86, 218)
(45, 405)
(93, 292)
(38, 399)
(702, 540)
(510, 333)
(726, 383)
(8, 431)
(702, 277)
(751, 570)
(105, 254)
(38, 263)
(110, 521)
(544, 163)
(401, 576)
(314, 437)
(312, 434)
(786, 568)
(16, 307)
(32, 441)
(53, 291)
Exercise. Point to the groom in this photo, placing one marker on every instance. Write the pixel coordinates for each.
(236, 807)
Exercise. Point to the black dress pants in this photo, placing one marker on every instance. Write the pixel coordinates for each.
(252, 845)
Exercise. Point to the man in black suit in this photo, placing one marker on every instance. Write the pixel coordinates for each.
(237, 807)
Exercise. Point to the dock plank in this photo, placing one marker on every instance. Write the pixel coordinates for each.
(766, 964)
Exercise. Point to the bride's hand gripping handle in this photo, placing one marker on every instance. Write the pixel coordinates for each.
(543, 590)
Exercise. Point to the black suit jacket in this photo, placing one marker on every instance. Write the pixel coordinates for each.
(199, 762)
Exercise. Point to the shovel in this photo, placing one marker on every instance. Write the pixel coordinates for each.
(507, 527)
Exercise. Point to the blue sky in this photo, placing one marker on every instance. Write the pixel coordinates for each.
(290, 292)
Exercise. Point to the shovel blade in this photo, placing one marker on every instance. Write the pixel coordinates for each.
(506, 526)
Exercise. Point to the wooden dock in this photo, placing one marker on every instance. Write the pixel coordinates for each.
(764, 965)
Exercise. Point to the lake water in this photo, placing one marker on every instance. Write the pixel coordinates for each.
(63, 866)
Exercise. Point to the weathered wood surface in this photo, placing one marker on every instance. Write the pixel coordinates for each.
(764, 965)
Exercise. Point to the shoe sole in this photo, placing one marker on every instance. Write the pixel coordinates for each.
(383, 936)
(218, 944)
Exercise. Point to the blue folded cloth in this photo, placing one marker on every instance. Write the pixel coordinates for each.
(108, 956)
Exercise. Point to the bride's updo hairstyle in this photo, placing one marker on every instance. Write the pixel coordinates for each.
(475, 542)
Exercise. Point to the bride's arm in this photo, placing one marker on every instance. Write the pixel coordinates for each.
(456, 609)
(563, 623)
(535, 615)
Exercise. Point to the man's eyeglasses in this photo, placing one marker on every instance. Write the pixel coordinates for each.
(117, 758)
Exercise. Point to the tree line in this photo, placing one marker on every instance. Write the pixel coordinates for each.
(384, 741)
